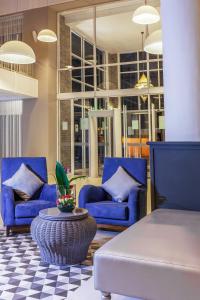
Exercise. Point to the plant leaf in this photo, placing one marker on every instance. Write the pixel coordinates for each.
(62, 179)
(76, 178)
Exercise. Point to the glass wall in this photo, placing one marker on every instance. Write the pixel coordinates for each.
(101, 63)
(82, 57)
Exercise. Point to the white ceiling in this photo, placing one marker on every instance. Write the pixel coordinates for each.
(114, 27)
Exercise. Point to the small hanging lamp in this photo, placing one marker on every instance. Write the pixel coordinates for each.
(143, 82)
(153, 44)
(146, 15)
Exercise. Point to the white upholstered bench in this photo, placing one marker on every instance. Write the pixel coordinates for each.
(156, 259)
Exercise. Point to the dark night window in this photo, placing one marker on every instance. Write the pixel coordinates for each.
(76, 44)
(128, 80)
(126, 57)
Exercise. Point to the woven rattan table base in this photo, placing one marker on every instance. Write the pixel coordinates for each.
(63, 242)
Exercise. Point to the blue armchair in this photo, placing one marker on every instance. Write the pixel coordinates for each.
(15, 212)
(99, 203)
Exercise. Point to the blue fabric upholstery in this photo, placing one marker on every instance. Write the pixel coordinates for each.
(136, 167)
(99, 203)
(108, 209)
(15, 213)
(11, 164)
(31, 208)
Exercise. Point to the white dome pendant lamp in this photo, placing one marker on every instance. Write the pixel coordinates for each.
(146, 15)
(17, 52)
(153, 44)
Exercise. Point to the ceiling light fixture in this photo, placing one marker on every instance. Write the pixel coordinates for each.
(143, 82)
(47, 36)
(146, 15)
(17, 52)
(153, 44)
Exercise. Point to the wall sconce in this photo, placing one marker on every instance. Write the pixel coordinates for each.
(45, 35)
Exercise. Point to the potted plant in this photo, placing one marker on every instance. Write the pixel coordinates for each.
(66, 199)
(66, 203)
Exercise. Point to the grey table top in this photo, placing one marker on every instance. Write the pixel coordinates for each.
(54, 214)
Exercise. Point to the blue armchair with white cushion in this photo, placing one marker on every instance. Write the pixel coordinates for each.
(14, 211)
(107, 210)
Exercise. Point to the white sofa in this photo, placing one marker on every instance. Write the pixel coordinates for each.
(156, 259)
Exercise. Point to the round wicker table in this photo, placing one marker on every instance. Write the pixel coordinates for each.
(63, 238)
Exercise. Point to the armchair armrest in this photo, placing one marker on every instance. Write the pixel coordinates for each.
(91, 193)
(49, 193)
(137, 203)
(7, 206)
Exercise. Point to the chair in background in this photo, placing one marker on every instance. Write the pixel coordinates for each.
(15, 212)
(106, 211)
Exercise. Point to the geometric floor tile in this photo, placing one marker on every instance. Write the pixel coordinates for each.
(23, 276)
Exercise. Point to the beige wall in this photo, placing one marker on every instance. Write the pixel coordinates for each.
(39, 116)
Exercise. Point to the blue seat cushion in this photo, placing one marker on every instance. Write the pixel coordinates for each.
(108, 210)
(31, 208)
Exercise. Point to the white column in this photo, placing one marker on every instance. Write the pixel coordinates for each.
(93, 147)
(117, 133)
(181, 41)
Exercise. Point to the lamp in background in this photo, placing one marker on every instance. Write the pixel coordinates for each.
(153, 44)
(146, 15)
(17, 52)
(143, 82)
(45, 35)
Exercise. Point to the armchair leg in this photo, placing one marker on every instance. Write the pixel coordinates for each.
(105, 296)
(8, 230)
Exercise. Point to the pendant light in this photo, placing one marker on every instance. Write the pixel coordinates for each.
(146, 15)
(47, 36)
(143, 82)
(153, 44)
(17, 52)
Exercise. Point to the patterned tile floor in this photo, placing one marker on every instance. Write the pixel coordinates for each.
(23, 276)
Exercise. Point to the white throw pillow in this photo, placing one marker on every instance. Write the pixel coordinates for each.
(24, 182)
(120, 185)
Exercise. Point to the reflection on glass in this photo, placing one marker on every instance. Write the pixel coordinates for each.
(128, 80)
(144, 102)
(89, 76)
(76, 86)
(100, 79)
(128, 68)
(76, 62)
(127, 57)
(89, 55)
(118, 66)
(142, 55)
(100, 57)
(76, 74)
(131, 103)
(154, 78)
(153, 65)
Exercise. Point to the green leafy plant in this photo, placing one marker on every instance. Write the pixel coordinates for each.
(63, 182)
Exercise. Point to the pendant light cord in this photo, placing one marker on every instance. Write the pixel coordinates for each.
(142, 33)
